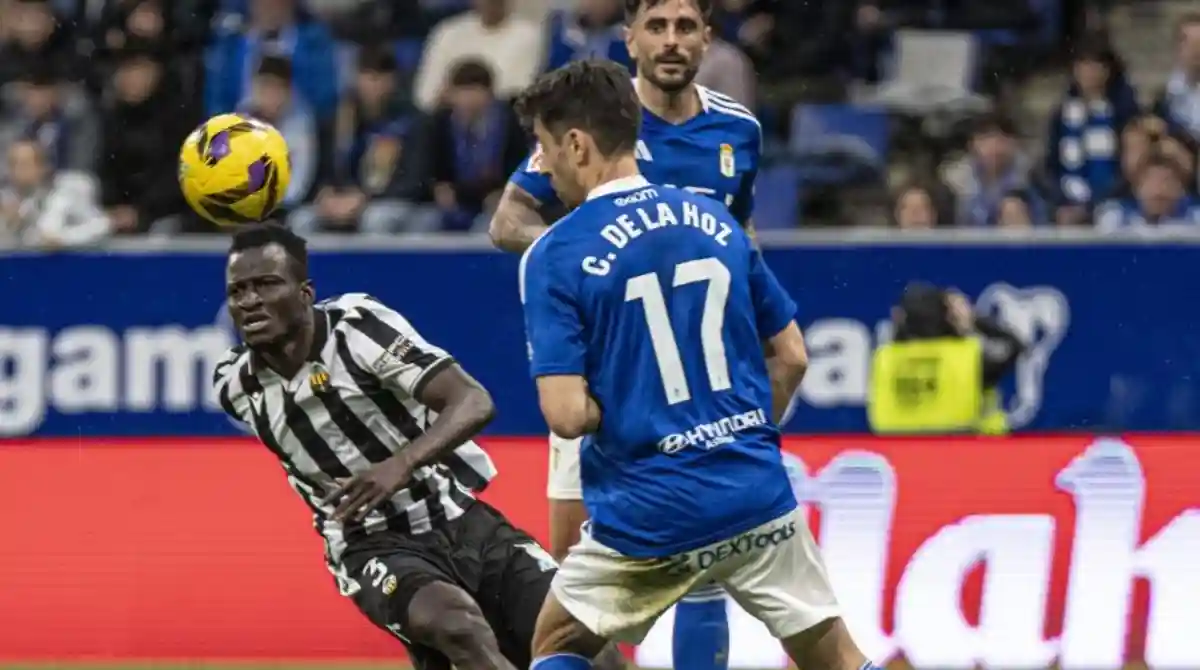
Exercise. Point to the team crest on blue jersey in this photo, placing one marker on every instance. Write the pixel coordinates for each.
(728, 164)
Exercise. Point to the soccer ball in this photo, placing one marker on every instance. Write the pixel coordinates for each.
(234, 169)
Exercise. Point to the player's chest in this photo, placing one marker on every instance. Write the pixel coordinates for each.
(315, 401)
(712, 169)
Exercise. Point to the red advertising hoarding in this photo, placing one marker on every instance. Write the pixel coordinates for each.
(952, 553)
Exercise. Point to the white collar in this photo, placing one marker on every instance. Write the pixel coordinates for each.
(620, 185)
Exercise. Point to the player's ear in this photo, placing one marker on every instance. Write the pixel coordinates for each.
(309, 292)
(708, 34)
(630, 44)
(573, 142)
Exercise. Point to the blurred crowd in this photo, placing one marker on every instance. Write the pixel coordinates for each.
(896, 112)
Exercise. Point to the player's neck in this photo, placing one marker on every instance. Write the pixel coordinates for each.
(287, 357)
(621, 168)
(672, 107)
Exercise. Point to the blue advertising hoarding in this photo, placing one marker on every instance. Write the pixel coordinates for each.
(123, 343)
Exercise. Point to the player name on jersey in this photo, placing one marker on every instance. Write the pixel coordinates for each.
(629, 227)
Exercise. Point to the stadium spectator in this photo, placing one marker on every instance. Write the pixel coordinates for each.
(138, 169)
(276, 28)
(46, 209)
(1179, 102)
(727, 70)
(512, 47)
(273, 98)
(594, 29)
(140, 20)
(994, 169)
(380, 175)
(788, 39)
(1083, 144)
(56, 114)
(31, 37)
(1015, 210)
(1159, 200)
(477, 142)
(915, 208)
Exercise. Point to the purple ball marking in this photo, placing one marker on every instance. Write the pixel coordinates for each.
(258, 175)
(218, 146)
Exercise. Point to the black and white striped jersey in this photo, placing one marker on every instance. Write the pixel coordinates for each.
(353, 404)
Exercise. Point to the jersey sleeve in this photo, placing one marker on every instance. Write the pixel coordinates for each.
(386, 345)
(553, 328)
(532, 180)
(228, 386)
(774, 309)
(742, 206)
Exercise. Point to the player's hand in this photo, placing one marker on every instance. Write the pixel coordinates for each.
(361, 494)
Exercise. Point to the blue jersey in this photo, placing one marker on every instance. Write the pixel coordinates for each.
(658, 299)
(715, 153)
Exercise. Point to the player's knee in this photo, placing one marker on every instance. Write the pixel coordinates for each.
(558, 632)
(444, 617)
(826, 646)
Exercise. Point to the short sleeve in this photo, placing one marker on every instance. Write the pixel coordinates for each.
(384, 343)
(532, 180)
(742, 206)
(774, 309)
(553, 327)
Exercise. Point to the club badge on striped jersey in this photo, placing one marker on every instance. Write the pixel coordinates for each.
(394, 354)
(318, 379)
(728, 164)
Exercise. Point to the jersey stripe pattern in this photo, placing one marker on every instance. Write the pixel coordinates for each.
(353, 404)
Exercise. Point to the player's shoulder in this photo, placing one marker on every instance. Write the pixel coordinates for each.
(229, 367)
(354, 308)
(731, 113)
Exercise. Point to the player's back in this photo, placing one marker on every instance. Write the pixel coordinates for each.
(670, 292)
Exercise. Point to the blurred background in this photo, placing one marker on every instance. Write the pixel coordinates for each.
(946, 183)
(910, 114)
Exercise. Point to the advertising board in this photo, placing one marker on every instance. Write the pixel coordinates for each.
(949, 552)
(108, 344)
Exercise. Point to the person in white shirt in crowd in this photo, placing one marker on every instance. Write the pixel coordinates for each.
(44, 209)
(512, 47)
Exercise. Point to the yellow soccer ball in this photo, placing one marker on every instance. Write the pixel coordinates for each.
(234, 169)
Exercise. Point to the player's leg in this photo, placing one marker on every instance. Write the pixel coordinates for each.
(781, 580)
(700, 640)
(599, 596)
(565, 493)
(515, 578)
(413, 595)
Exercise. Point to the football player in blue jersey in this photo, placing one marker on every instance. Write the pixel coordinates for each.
(691, 137)
(658, 334)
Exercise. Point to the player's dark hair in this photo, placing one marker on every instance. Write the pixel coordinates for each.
(632, 7)
(275, 66)
(471, 72)
(260, 235)
(595, 96)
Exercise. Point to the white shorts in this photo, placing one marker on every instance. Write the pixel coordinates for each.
(774, 572)
(563, 482)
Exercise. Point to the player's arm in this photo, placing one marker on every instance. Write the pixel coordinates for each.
(385, 345)
(516, 222)
(556, 348)
(787, 361)
(518, 219)
(783, 343)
